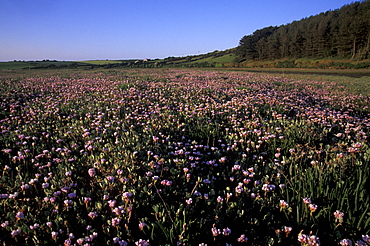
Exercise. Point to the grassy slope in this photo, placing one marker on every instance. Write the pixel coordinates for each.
(221, 59)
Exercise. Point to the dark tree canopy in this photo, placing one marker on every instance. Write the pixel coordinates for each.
(341, 33)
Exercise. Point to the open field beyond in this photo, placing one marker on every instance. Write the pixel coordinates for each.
(183, 157)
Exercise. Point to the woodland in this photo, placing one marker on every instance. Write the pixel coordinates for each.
(340, 33)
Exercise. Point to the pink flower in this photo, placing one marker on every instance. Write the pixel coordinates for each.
(303, 238)
(142, 243)
(127, 195)
(312, 207)
(141, 225)
(366, 238)
(345, 242)
(67, 202)
(226, 231)
(54, 234)
(5, 224)
(189, 201)
(215, 231)
(93, 215)
(239, 189)
(313, 240)
(306, 200)
(16, 232)
(92, 172)
(19, 216)
(242, 239)
(287, 229)
(80, 241)
(338, 215)
(283, 204)
(111, 178)
(361, 243)
(116, 221)
(220, 199)
(112, 203)
(166, 182)
(35, 226)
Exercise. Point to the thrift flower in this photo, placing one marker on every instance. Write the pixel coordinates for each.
(242, 239)
(111, 178)
(92, 172)
(19, 216)
(361, 243)
(93, 215)
(35, 226)
(283, 204)
(313, 240)
(142, 243)
(54, 235)
(116, 221)
(220, 199)
(312, 207)
(127, 195)
(226, 231)
(189, 201)
(345, 242)
(366, 238)
(16, 232)
(215, 231)
(306, 200)
(112, 203)
(141, 225)
(5, 224)
(303, 238)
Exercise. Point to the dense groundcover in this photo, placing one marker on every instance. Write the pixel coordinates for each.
(182, 157)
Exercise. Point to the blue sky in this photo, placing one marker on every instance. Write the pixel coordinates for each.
(130, 29)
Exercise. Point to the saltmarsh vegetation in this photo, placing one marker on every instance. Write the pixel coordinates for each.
(182, 157)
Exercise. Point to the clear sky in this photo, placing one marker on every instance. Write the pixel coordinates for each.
(130, 29)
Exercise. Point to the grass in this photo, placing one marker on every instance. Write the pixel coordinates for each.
(221, 59)
(103, 62)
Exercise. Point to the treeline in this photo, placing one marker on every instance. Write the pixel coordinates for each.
(341, 33)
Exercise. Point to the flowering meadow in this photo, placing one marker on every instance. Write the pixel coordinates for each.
(182, 157)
